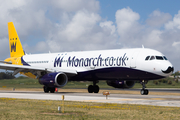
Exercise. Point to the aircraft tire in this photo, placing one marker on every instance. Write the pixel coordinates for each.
(90, 89)
(144, 92)
(52, 90)
(46, 89)
(96, 89)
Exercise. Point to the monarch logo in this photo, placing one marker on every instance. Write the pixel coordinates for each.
(13, 47)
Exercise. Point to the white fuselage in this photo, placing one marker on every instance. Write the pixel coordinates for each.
(127, 64)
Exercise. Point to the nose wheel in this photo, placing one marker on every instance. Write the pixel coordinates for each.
(143, 90)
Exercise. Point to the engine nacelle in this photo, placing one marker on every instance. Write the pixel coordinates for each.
(54, 79)
(120, 84)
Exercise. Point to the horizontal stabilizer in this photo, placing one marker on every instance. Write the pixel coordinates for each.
(5, 62)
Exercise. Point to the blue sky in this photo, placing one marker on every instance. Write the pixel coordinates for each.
(108, 8)
(81, 25)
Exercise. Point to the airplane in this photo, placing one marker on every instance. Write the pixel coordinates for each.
(119, 67)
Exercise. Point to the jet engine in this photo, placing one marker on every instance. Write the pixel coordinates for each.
(54, 79)
(120, 83)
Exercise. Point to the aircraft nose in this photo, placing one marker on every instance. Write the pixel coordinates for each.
(168, 70)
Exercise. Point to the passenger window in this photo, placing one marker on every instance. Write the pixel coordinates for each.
(165, 58)
(159, 57)
(152, 58)
(147, 58)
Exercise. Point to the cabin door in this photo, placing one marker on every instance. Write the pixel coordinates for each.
(133, 59)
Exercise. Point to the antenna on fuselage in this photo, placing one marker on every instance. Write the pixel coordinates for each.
(142, 46)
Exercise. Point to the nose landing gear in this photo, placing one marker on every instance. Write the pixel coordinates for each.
(143, 90)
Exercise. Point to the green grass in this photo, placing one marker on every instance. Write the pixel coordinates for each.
(11, 109)
(161, 83)
(20, 83)
(24, 82)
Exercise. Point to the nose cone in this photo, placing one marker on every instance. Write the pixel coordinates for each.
(168, 70)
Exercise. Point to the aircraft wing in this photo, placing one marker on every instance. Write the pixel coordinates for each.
(23, 68)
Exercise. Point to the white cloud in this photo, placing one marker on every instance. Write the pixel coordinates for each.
(4, 48)
(125, 19)
(152, 35)
(82, 23)
(176, 44)
(157, 18)
(175, 24)
(76, 5)
(153, 39)
(108, 25)
(34, 19)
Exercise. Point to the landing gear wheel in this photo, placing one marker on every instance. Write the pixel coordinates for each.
(96, 89)
(52, 90)
(144, 92)
(90, 89)
(46, 89)
(93, 88)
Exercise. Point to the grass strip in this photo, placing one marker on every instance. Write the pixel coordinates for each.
(11, 108)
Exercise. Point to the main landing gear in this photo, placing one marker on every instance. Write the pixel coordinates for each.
(143, 90)
(47, 89)
(93, 88)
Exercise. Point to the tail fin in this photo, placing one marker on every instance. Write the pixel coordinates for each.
(15, 46)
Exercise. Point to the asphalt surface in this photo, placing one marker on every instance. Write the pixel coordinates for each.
(156, 100)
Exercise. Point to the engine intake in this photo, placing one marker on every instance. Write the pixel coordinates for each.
(120, 84)
(54, 79)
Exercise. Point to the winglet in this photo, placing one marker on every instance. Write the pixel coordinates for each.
(15, 46)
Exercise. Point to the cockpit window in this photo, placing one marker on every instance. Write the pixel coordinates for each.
(159, 58)
(165, 58)
(152, 58)
(156, 57)
(147, 58)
